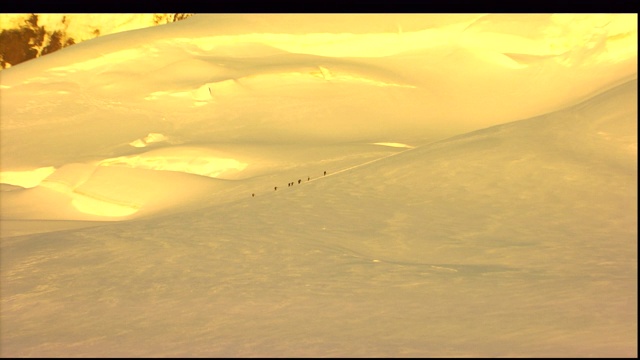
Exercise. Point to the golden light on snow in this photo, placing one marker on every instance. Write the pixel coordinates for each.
(26, 178)
(187, 160)
(89, 205)
(393, 144)
(324, 185)
(344, 76)
(149, 139)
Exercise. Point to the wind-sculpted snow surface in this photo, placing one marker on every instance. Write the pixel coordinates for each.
(222, 78)
(273, 186)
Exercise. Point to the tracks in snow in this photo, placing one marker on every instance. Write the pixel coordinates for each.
(348, 168)
(362, 164)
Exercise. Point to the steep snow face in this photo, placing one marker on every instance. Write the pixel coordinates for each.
(324, 186)
(498, 242)
(251, 78)
(554, 171)
(169, 97)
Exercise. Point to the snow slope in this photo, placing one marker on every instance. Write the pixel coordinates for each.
(472, 205)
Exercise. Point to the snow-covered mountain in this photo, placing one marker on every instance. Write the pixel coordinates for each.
(325, 186)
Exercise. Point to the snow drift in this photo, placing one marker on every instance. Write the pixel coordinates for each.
(325, 185)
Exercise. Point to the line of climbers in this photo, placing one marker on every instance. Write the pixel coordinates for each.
(275, 188)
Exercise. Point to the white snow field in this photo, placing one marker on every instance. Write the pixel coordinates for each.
(325, 186)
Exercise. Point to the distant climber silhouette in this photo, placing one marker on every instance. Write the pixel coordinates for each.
(308, 178)
(299, 180)
(253, 195)
(275, 188)
(325, 172)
